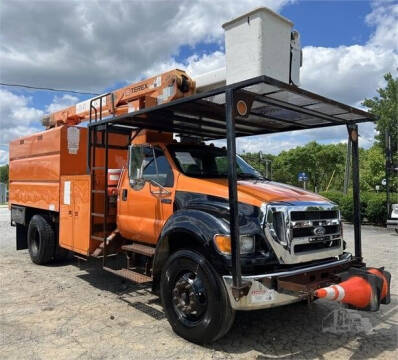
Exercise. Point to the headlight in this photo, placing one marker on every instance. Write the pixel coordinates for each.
(223, 243)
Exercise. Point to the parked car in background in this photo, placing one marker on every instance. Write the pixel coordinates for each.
(392, 222)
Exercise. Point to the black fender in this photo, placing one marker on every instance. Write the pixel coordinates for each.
(193, 229)
(195, 221)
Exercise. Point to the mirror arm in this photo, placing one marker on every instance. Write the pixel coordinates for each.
(153, 182)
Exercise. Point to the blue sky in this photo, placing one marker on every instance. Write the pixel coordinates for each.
(320, 23)
(352, 39)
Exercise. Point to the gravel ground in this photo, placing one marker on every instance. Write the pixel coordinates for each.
(76, 310)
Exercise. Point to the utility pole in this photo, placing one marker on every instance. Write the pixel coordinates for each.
(268, 165)
(388, 168)
(347, 166)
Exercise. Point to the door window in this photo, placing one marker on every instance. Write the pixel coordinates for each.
(148, 163)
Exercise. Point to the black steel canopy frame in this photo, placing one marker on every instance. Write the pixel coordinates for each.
(261, 105)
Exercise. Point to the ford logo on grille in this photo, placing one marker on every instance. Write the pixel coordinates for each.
(319, 231)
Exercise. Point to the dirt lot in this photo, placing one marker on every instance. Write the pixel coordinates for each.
(76, 310)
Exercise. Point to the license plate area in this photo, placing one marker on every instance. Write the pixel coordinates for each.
(319, 239)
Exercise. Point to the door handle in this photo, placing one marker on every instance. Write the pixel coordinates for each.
(70, 212)
(165, 201)
(124, 194)
(76, 213)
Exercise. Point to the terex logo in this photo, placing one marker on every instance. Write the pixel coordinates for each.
(319, 231)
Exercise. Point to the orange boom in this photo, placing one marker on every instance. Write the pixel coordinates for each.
(156, 90)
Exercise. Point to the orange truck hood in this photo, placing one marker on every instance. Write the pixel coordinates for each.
(249, 191)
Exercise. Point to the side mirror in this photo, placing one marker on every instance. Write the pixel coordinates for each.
(137, 184)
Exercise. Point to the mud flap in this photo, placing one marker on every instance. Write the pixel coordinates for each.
(21, 235)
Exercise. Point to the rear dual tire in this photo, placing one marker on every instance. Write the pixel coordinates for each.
(194, 298)
(42, 241)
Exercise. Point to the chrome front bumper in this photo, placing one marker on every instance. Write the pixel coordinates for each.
(262, 297)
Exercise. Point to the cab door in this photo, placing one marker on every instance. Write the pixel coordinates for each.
(146, 198)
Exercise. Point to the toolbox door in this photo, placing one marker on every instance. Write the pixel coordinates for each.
(81, 214)
(66, 214)
(74, 227)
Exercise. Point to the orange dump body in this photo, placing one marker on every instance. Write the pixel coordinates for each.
(42, 163)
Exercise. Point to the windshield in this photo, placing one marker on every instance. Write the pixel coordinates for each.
(209, 162)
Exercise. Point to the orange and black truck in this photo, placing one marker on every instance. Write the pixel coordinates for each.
(210, 232)
(147, 181)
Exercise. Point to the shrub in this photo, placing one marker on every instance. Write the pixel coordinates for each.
(376, 212)
(373, 205)
(346, 204)
(347, 207)
(333, 195)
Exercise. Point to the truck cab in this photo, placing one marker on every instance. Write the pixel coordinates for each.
(174, 196)
(166, 180)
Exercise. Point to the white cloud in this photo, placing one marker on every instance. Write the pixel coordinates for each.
(352, 73)
(194, 65)
(3, 157)
(15, 110)
(274, 144)
(61, 102)
(346, 73)
(17, 117)
(385, 18)
(94, 44)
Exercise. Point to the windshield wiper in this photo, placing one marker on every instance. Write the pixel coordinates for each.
(251, 176)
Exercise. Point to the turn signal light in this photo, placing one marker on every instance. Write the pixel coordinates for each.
(223, 243)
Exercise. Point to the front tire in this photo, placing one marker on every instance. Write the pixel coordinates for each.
(194, 298)
(41, 240)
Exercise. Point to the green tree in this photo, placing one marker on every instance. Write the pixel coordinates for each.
(4, 174)
(254, 160)
(322, 163)
(385, 107)
(372, 168)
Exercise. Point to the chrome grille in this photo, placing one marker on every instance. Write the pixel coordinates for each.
(303, 231)
(309, 231)
(313, 215)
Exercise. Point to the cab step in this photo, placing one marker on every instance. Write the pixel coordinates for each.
(130, 275)
(80, 257)
(140, 249)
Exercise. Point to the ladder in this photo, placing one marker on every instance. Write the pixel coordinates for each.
(99, 230)
(99, 199)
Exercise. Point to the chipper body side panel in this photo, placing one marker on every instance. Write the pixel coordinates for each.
(37, 162)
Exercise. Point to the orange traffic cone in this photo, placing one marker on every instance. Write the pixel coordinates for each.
(382, 276)
(355, 291)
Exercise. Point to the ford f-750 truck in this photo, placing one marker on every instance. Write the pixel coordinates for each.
(211, 234)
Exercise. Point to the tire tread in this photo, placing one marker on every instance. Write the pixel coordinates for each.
(47, 239)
